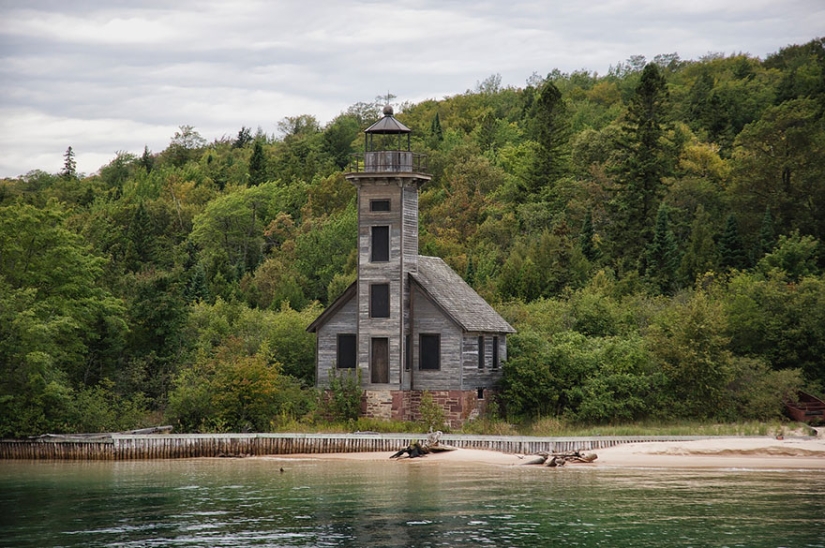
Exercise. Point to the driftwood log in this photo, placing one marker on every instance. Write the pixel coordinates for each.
(421, 448)
(552, 460)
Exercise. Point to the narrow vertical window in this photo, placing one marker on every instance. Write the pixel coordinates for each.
(481, 352)
(429, 352)
(380, 360)
(346, 351)
(480, 393)
(495, 352)
(380, 301)
(407, 352)
(380, 244)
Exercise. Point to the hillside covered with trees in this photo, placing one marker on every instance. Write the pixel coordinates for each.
(655, 234)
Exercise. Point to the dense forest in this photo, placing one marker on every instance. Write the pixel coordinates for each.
(655, 234)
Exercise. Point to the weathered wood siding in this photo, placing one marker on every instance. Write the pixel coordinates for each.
(429, 319)
(473, 376)
(389, 272)
(345, 320)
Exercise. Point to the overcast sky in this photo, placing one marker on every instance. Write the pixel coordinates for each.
(110, 75)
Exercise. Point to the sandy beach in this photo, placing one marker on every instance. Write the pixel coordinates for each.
(723, 453)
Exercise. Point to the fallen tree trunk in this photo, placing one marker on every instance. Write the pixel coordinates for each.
(420, 448)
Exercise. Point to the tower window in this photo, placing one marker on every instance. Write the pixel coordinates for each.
(380, 244)
(346, 350)
(495, 352)
(429, 352)
(481, 352)
(380, 301)
(379, 205)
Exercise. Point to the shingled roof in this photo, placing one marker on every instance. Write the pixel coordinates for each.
(457, 299)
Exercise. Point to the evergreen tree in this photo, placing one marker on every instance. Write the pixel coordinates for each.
(647, 160)
(700, 256)
(147, 160)
(141, 239)
(69, 165)
(731, 251)
(586, 238)
(662, 257)
(197, 288)
(244, 137)
(553, 136)
(767, 237)
(470, 274)
(257, 165)
(435, 129)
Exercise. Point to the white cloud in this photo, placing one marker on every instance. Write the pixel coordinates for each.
(104, 76)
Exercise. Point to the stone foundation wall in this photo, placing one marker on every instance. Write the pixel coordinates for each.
(459, 405)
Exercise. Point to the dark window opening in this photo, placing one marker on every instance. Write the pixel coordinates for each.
(495, 352)
(429, 352)
(379, 205)
(380, 244)
(380, 301)
(380, 361)
(480, 393)
(407, 352)
(346, 351)
(481, 352)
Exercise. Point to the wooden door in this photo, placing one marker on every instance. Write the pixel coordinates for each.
(380, 361)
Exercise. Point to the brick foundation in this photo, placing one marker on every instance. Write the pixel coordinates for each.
(459, 405)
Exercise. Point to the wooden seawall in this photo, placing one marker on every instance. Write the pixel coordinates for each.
(173, 446)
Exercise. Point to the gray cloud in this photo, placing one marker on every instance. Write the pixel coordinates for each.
(104, 76)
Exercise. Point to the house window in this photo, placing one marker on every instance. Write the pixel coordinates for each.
(380, 360)
(379, 205)
(380, 301)
(481, 352)
(346, 351)
(429, 352)
(480, 393)
(407, 352)
(495, 352)
(380, 244)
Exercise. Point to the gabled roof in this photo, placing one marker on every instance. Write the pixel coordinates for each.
(334, 307)
(457, 299)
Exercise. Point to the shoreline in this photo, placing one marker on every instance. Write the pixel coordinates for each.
(763, 453)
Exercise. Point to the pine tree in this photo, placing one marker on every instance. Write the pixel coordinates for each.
(257, 165)
(586, 238)
(435, 129)
(147, 160)
(196, 288)
(731, 251)
(470, 275)
(767, 237)
(553, 137)
(701, 255)
(647, 160)
(69, 165)
(662, 257)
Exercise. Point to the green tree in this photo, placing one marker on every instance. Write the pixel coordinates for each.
(647, 158)
(662, 257)
(777, 166)
(552, 130)
(767, 235)
(701, 255)
(731, 250)
(257, 165)
(69, 165)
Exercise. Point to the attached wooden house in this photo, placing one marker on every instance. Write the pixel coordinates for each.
(409, 323)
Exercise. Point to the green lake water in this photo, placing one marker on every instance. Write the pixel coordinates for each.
(250, 502)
